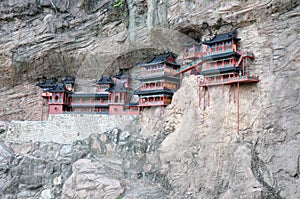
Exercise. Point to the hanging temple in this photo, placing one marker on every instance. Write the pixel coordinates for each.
(217, 61)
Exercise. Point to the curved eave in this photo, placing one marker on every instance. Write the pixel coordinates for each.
(154, 92)
(88, 95)
(89, 105)
(155, 63)
(214, 41)
(220, 56)
(45, 86)
(160, 77)
(220, 71)
(60, 91)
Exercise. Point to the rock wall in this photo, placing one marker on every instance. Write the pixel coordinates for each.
(109, 165)
(67, 128)
(198, 153)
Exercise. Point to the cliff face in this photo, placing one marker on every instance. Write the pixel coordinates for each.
(197, 152)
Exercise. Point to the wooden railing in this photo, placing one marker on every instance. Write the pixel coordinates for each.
(219, 80)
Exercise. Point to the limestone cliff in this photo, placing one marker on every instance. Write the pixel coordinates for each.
(185, 152)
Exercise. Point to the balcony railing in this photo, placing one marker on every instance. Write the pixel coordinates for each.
(193, 54)
(212, 67)
(158, 72)
(52, 101)
(153, 103)
(151, 88)
(189, 65)
(209, 81)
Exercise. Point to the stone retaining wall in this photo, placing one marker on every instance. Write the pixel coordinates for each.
(67, 128)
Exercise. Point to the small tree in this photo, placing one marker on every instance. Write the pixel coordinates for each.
(119, 3)
(2, 131)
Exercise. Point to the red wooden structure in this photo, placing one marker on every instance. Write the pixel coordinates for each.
(93, 102)
(219, 62)
(113, 96)
(55, 96)
(120, 96)
(191, 59)
(158, 81)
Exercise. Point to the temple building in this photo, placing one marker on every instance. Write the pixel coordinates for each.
(219, 61)
(93, 102)
(216, 61)
(158, 81)
(120, 95)
(191, 58)
(224, 63)
(55, 96)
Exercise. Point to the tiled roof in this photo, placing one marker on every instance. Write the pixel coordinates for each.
(48, 83)
(163, 58)
(122, 74)
(69, 80)
(118, 88)
(222, 37)
(220, 56)
(105, 80)
(59, 88)
(89, 95)
(154, 92)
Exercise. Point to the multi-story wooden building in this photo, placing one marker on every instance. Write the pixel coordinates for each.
(158, 81)
(93, 102)
(121, 94)
(224, 63)
(113, 96)
(55, 96)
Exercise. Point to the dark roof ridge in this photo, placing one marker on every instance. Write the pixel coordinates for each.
(222, 37)
(105, 79)
(161, 58)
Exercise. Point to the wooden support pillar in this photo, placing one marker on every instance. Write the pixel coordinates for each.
(247, 67)
(216, 48)
(229, 94)
(199, 95)
(42, 109)
(238, 108)
(204, 101)
(208, 97)
(223, 47)
(222, 86)
(194, 51)
(234, 95)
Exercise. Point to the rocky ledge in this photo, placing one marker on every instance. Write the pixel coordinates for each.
(107, 165)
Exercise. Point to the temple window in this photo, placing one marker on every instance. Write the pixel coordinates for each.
(56, 97)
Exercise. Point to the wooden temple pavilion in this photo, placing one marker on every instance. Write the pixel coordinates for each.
(55, 96)
(158, 81)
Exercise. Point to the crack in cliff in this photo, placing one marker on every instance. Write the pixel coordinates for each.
(259, 168)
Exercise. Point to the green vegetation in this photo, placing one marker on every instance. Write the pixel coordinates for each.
(119, 3)
(2, 131)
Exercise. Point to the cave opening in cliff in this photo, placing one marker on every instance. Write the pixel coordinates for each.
(130, 59)
(193, 32)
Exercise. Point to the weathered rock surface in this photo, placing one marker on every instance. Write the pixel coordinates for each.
(106, 165)
(200, 154)
(259, 162)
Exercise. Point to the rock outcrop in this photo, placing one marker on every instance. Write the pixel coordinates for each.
(111, 164)
(183, 152)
